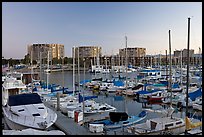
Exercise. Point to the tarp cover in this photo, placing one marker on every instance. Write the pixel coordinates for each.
(118, 116)
(24, 99)
(195, 94)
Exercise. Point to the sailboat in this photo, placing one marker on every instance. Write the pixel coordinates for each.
(119, 120)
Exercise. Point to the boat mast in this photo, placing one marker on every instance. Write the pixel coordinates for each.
(126, 72)
(187, 82)
(40, 66)
(78, 70)
(73, 71)
(181, 69)
(63, 72)
(31, 62)
(170, 74)
(48, 67)
(166, 67)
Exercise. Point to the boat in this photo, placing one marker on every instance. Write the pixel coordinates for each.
(149, 90)
(197, 104)
(119, 120)
(154, 99)
(159, 126)
(91, 107)
(27, 111)
(149, 73)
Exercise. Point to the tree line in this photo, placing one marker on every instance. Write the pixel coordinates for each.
(27, 61)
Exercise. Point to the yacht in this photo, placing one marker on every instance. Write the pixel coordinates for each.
(24, 110)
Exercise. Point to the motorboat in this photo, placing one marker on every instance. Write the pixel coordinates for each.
(25, 110)
(92, 107)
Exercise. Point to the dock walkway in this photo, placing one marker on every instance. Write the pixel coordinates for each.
(68, 126)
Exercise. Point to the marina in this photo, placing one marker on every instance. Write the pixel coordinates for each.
(70, 127)
(127, 93)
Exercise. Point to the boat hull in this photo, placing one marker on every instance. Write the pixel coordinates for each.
(15, 126)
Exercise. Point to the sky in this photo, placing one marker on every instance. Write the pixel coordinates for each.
(104, 24)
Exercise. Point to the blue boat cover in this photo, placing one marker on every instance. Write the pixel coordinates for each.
(84, 81)
(86, 98)
(142, 114)
(24, 99)
(175, 85)
(118, 83)
(195, 94)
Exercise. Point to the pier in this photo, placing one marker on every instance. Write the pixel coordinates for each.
(68, 125)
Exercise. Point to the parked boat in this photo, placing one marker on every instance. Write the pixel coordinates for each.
(197, 104)
(91, 107)
(149, 90)
(159, 126)
(27, 111)
(119, 120)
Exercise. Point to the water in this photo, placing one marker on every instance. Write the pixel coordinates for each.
(133, 107)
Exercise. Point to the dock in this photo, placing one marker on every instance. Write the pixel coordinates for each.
(68, 125)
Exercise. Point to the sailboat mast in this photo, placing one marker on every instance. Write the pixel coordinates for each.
(170, 74)
(63, 73)
(181, 69)
(48, 67)
(166, 66)
(187, 82)
(78, 70)
(32, 68)
(73, 70)
(126, 61)
(40, 65)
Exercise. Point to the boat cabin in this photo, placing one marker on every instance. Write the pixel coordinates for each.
(164, 123)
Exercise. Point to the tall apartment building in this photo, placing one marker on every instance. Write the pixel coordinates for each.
(87, 51)
(177, 53)
(191, 53)
(133, 55)
(57, 51)
(91, 54)
(133, 52)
